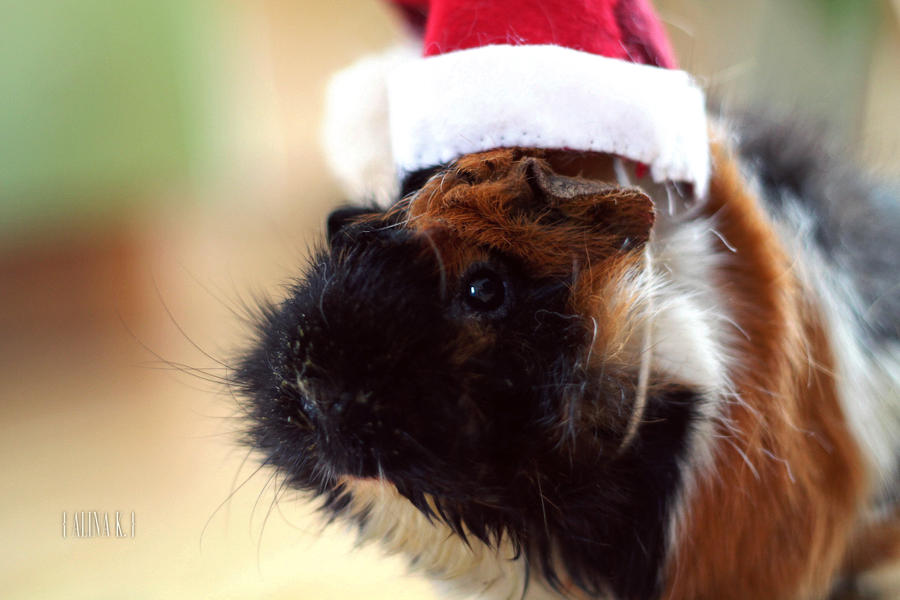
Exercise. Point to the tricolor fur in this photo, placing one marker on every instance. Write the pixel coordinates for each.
(489, 437)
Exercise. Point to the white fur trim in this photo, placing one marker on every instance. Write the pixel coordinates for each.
(443, 107)
(355, 132)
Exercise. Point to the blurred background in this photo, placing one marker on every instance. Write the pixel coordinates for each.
(160, 168)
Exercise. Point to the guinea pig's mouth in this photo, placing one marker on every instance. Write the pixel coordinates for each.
(351, 431)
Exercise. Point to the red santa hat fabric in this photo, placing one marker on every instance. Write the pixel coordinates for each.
(623, 29)
(587, 75)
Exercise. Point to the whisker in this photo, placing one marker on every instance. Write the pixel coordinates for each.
(181, 329)
(234, 491)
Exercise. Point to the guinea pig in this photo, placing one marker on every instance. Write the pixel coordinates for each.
(536, 380)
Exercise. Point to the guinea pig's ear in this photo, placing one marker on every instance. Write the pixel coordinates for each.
(623, 216)
(341, 217)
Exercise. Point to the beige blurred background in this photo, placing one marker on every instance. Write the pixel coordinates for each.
(159, 167)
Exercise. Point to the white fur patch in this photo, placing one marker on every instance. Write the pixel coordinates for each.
(693, 330)
(457, 569)
(690, 325)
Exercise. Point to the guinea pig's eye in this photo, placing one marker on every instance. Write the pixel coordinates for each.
(484, 290)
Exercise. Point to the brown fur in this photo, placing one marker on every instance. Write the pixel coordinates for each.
(503, 212)
(774, 515)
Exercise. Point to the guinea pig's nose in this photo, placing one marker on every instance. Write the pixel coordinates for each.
(345, 403)
(341, 402)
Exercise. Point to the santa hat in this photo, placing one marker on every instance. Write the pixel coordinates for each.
(593, 75)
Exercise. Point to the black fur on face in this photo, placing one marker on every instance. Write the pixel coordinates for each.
(472, 396)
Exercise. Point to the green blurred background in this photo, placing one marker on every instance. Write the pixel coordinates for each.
(159, 166)
(103, 101)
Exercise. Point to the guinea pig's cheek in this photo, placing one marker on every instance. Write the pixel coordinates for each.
(473, 339)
